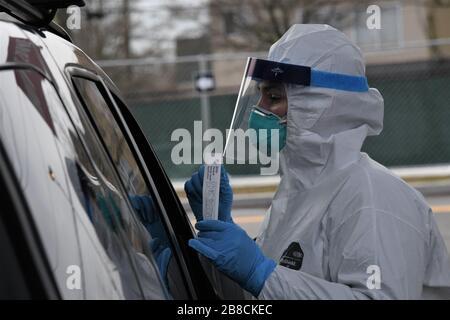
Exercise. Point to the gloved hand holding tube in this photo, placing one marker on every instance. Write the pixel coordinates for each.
(222, 241)
(194, 191)
(234, 253)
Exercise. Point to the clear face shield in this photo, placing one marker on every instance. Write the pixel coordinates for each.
(258, 129)
(259, 125)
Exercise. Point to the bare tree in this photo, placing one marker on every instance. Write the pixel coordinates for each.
(107, 28)
(259, 23)
(262, 22)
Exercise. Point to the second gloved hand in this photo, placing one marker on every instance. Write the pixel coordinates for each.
(194, 191)
(162, 255)
(234, 253)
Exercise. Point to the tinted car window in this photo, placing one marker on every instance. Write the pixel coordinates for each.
(125, 240)
(145, 206)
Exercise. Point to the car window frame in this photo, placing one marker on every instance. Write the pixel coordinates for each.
(81, 72)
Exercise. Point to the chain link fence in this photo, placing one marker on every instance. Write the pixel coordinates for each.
(162, 96)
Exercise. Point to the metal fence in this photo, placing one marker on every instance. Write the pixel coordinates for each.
(162, 95)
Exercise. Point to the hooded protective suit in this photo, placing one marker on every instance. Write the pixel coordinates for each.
(341, 226)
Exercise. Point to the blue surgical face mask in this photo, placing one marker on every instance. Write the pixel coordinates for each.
(261, 119)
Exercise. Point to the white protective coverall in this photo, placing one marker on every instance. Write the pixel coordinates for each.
(363, 232)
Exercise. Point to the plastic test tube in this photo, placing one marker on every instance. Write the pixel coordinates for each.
(211, 186)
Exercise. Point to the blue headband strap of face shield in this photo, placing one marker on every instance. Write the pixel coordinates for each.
(338, 81)
(289, 73)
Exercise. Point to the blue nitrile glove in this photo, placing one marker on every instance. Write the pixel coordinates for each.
(162, 255)
(149, 216)
(159, 244)
(234, 253)
(194, 192)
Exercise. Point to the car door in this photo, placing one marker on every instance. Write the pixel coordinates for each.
(65, 56)
(98, 260)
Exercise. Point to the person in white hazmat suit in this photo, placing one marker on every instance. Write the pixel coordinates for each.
(341, 226)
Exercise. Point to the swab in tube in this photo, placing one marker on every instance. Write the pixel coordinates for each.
(211, 186)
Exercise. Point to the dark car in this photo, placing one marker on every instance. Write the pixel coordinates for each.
(87, 210)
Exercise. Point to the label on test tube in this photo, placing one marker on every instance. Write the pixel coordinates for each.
(211, 186)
